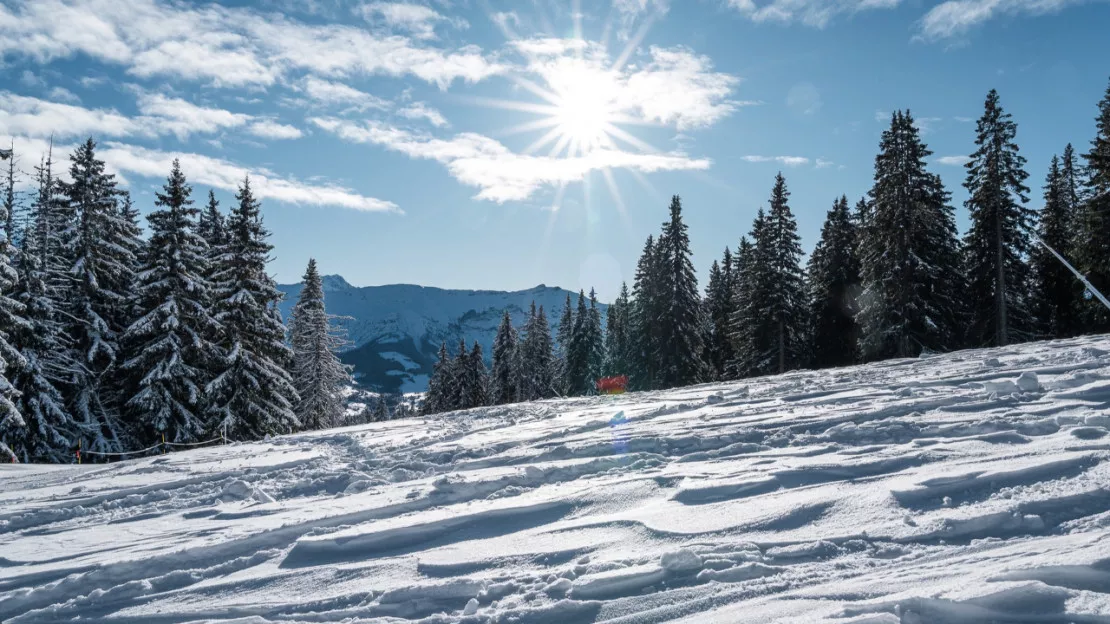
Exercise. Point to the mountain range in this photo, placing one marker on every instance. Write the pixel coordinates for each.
(396, 331)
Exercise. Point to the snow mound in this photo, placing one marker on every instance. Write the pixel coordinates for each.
(960, 488)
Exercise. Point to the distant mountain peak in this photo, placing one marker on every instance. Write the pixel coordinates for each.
(335, 282)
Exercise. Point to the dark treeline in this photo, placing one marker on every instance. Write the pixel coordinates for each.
(890, 277)
(111, 343)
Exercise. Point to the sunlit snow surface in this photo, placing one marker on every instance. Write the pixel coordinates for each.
(963, 488)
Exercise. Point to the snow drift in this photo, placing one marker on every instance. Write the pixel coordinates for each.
(970, 487)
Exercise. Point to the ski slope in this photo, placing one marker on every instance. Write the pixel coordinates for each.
(965, 488)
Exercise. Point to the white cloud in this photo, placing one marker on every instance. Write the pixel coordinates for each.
(499, 174)
(62, 94)
(822, 163)
(416, 19)
(816, 13)
(31, 117)
(337, 93)
(220, 45)
(269, 129)
(182, 118)
(956, 17)
(420, 110)
(789, 161)
(953, 161)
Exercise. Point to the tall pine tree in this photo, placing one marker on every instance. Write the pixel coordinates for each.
(170, 347)
(537, 358)
(1057, 295)
(833, 288)
(909, 254)
(679, 347)
(438, 396)
(617, 330)
(318, 375)
(719, 307)
(504, 383)
(1093, 231)
(563, 338)
(644, 319)
(100, 269)
(998, 243)
(253, 394)
(12, 324)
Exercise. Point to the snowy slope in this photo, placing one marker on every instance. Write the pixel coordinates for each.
(971, 487)
(396, 330)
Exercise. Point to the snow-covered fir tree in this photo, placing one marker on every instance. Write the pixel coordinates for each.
(909, 254)
(318, 375)
(773, 329)
(49, 435)
(211, 224)
(438, 397)
(472, 376)
(1057, 294)
(563, 336)
(833, 281)
(12, 324)
(997, 245)
(170, 348)
(1093, 243)
(679, 351)
(736, 326)
(10, 202)
(719, 308)
(97, 297)
(505, 378)
(617, 328)
(586, 352)
(252, 395)
(537, 358)
(595, 340)
(645, 319)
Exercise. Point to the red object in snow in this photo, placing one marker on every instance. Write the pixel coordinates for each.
(612, 385)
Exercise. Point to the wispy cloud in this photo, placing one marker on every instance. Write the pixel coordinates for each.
(269, 129)
(788, 161)
(31, 117)
(336, 93)
(816, 13)
(223, 46)
(500, 174)
(953, 161)
(183, 118)
(420, 110)
(956, 17)
(416, 19)
(824, 164)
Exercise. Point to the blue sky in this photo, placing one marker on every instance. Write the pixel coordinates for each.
(499, 145)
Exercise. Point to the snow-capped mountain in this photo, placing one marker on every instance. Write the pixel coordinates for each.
(396, 330)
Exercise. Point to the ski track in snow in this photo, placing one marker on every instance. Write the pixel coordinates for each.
(969, 487)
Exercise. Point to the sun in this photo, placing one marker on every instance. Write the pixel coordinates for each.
(583, 109)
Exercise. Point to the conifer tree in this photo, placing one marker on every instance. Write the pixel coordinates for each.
(644, 320)
(1057, 296)
(382, 412)
(617, 338)
(719, 308)
(833, 287)
(909, 255)
(1093, 231)
(318, 375)
(537, 359)
(12, 324)
(577, 369)
(170, 346)
(10, 203)
(997, 245)
(737, 327)
(504, 383)
(460, 378)
(473, 378)
(563, 338)
(437, 396)
(679, 347)
(253, 395)
(100, 270)
(211, 224)
(49, 434)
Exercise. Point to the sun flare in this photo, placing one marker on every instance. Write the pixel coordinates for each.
(583, 111)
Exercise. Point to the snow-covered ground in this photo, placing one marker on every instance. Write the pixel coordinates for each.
(970, 487)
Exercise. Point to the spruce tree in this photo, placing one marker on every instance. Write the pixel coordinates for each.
(436, 397)
(12, 324)
(381, 414)
(644, 320)
(1093, 231)
(738, 328)
(460, 378)
(170, 347)
(617, 338)
(49, 435)
(10, 203)
(719, 308)
(211, 224)
(562, 347)
(504, 383)
(537, 358)
(253, 395)
(833, 288)
(318, 375)
(998, 243)
(595, 344)
(679, 347)
(475, 379)
(909, 255)
(1057, 294)
(577, 368)
(97, 296)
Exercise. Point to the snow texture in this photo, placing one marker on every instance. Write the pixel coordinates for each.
(963, 488)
